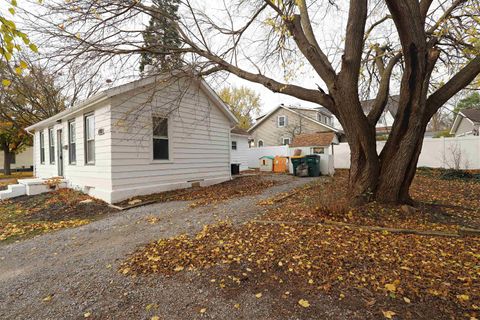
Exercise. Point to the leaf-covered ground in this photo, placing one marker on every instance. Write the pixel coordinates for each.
(239, 187)
(380, 274)
(26, 216)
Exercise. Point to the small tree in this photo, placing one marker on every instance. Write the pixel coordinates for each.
(243, 102)
(471, 101)
(12, 141)
(161, 35)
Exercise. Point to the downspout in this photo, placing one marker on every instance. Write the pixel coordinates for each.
(230, 152)
(34, 153)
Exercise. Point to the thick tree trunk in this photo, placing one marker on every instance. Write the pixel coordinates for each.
(7, 159)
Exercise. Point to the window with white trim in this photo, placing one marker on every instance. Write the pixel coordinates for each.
(318, 150)
(42, 147)
(89, 139)
(260, 143)
(234, 145)
(51, 146)
(160, 138)
(72, 145)
(282, 121)
(285, 141)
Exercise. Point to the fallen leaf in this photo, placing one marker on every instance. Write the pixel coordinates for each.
(258, 295)
(87, 314)
(203, 310)
(304, 303)
(388, 314)
(48, 298)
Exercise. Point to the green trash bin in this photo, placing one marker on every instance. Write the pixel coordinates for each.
(313, 162)
(296, 161)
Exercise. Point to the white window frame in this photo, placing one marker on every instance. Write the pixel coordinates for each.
(42, 147)
(236, 145)
(313, 151)
(284, 121)
(283, 141)
(86, 138)
(169, 138)
(51, 146)
(258, 143)
(72, 141)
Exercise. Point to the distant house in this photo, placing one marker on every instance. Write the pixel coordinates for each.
(239, 149)
(150, 135)
(22, 161)
(467, 123)
(283, 123)
(385, 123)
(316, 143)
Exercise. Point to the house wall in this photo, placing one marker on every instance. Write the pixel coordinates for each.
(199, 140)
(241, 154)
(464, 128)
(272, 135)
(23, 160)
(92, 179)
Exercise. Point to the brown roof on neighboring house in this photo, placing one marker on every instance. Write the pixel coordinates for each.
(472, 114)
(317, 139)
(237, 130)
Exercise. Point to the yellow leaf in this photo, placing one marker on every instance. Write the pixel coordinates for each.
(155, 318)
(463, 297)
(258, 295)
(48, 298)
(304, 303)
(87, 314)
(23, 64)
(391, 287)
(6, 82)
(237, 306)
(388, 314)
(406, 299)
(203, 310)
(178, 268)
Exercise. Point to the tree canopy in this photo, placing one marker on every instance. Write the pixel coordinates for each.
(243, 102)
(471, 101)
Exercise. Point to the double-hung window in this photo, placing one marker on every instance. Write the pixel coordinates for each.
(51, 146)
(282, 120)
(72, 151)
(89, 139)
(42, 147)
(234, 145)
(160, 138)
(285, 141)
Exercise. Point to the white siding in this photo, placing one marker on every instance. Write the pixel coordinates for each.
(199, 140)
(241, 154)
(94, 179)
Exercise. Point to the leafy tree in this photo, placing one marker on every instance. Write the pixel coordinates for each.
(470, 102)
(161, 35)
(243, 102)
(30, 97)
(9, 36)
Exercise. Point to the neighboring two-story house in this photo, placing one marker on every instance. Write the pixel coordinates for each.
(279, 126)
(467, 123)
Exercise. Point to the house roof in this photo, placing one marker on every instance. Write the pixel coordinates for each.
(317, 139)
(392, 105)
(472, 115)
(291, 109)
(94, 100)
(239, 131)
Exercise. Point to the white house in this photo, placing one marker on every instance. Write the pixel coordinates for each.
(22, 161)
(240, 147)
(151, 135)
(467, 123)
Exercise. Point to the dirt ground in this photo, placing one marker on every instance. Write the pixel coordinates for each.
(72, 273)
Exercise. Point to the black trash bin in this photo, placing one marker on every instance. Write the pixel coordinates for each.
(313, 162)
(235, 168)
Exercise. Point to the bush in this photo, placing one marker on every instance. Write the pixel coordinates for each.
(452, 174)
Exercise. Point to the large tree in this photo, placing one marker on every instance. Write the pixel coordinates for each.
(243, 102)
(425, 50)
(31, 96)
(472, 101)
(161, 37)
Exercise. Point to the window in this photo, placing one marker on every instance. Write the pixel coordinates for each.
(285, 141)
(260, 143)
(89, 139)
(72, 151)
(282, 121)
(160, 138)
(42, 147)
(51, 146)
(234, 145)
(318, 150)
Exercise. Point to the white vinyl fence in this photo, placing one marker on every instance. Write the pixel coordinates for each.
(455, 153)
(254, 154)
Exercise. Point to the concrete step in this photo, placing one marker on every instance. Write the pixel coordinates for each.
(14, 190)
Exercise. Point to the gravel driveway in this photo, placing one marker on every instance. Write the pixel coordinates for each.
(76, 269)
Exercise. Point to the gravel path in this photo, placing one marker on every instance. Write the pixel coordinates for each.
(77, 268)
